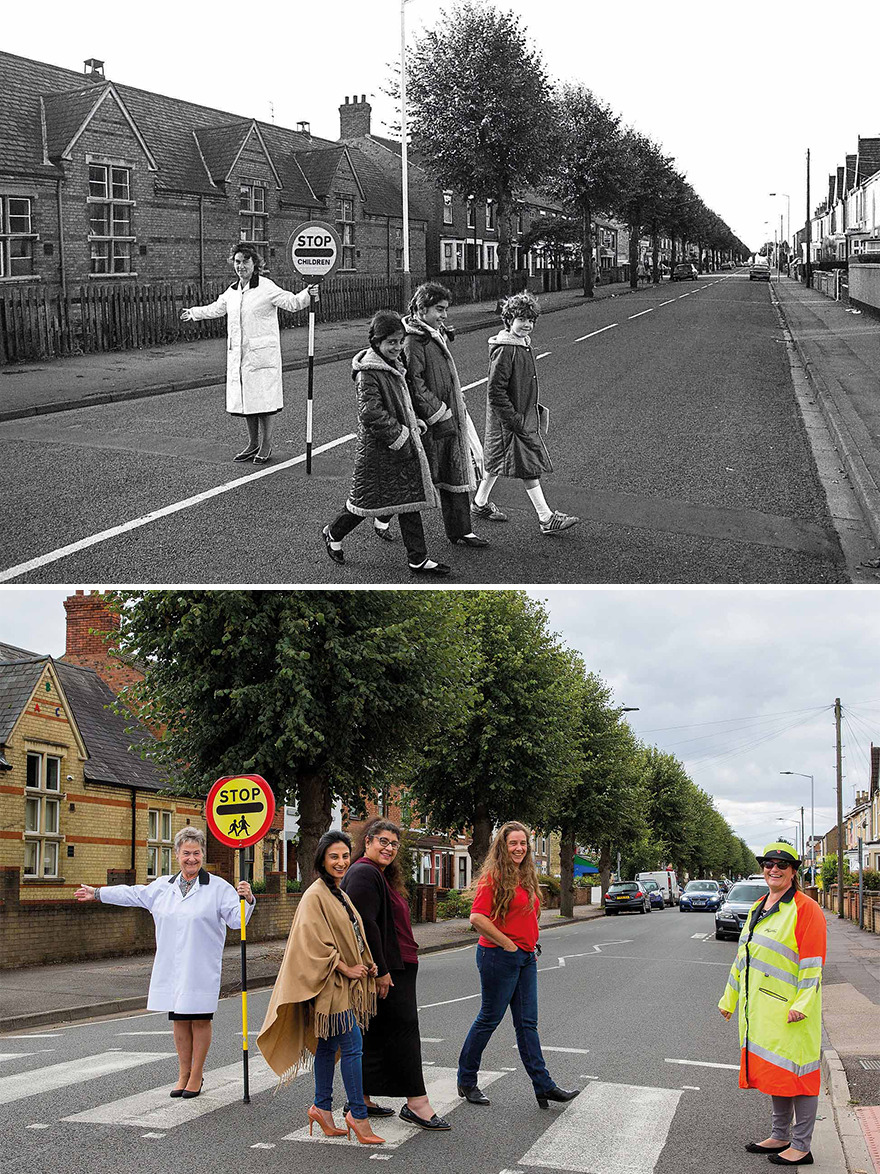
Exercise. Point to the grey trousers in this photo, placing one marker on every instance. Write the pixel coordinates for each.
(803, 1109)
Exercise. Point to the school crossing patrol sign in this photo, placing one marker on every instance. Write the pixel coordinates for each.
(240, 809)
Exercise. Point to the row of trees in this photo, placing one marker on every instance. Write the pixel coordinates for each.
(465, 702)
(486, 119)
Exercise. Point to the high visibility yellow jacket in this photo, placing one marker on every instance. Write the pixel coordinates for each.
(778, 968)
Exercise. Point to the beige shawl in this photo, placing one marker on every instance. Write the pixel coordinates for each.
(311, 999)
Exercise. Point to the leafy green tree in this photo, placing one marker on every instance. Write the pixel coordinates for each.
(669, 804)
(513, 751)
(644, 175)
(479, 110)
(319, 692)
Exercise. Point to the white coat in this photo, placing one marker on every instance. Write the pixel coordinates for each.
(190, 936)
(253, 343)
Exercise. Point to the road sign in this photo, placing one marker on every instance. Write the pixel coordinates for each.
(314, 250)
(240, 809)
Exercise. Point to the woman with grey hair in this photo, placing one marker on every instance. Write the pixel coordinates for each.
(191, 910)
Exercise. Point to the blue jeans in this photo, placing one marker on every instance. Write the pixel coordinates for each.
(506, 980)
(350, 1044)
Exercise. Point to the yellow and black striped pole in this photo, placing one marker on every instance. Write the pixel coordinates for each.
(244, 1021)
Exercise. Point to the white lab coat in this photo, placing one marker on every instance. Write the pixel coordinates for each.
(190, 936)
(253, 343)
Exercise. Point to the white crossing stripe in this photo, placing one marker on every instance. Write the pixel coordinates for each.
(146, 1033)
(40, 1080)
(470, 387)
(593, 333)
(608, 1129)
(703, 1064)
(441, 1087)
(154, 1109)
(431, 1039)
(575, 1051)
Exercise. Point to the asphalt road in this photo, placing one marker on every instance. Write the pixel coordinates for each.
(627, 1012)
(675, 436)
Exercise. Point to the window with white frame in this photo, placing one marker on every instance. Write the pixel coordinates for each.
(42, 814)
(447, 207)
(159, 842)
(462, 872)
(253, 213)
(471, 212)
(111, 234)
(490, 213)
(345, 227)
(17, 236)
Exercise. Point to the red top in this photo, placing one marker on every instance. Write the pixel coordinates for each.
(521, 922)
(409, 947)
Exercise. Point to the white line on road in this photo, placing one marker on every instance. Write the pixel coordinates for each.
(595, 332)
(54, 1035)
(544, 355)
(703, 1064)
(640, 313)
(615, 1128)
(263, 1145)
(687, 295)
(574, 1051)
(669, 303)
(701, 936)
(430, 1039)
(471, 386)
(145, 1033)
(445, 1002)
(152, 1135)
(38, 1125)
(42, 1080)
(691, 1087)
(84, 543)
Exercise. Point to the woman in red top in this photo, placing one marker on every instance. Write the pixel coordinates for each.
(505, 911)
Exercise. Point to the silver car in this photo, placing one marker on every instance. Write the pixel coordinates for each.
(732, 915)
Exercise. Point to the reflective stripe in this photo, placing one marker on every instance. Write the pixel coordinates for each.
(740, 961)
(783, 1061)
(759, 939)
(772, 971)
(805, 962)
(733, 982)
(807, 982)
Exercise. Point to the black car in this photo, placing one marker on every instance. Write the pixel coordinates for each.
(731, 917)
(627, 895)
(684, 271)
(701, 895)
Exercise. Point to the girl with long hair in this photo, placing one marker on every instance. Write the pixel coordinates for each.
(392, 1062)
(505, 911)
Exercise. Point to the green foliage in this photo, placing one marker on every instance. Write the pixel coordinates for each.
(829, 872)
(589, 881)
(294, 886)
(552, 883)
(871, 879)
(456, 903)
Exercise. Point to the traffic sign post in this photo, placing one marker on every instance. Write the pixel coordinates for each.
(230, 803)
(314, 250)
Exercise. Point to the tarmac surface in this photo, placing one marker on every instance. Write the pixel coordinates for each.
(40, 996)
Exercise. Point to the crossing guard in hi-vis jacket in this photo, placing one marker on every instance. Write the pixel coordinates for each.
(776, 984)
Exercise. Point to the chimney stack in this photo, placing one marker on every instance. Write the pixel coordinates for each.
(95, 69)
(88, 618)
(354, 118)
(304, 128)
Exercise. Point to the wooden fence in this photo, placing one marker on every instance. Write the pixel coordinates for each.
(37, 325)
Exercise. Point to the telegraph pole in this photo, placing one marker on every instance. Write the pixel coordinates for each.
(808, 268)
(839, 810)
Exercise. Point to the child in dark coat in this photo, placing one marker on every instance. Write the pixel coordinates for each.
(515, 421)
(391, 473)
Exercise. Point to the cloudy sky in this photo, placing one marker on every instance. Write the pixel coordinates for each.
(734, 93)
(738, 683)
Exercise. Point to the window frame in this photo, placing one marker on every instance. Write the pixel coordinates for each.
(345, 225)
(10, 238)
(43, 840)
(253, 214)
(111, 251)
(448, 210)
(159, 844)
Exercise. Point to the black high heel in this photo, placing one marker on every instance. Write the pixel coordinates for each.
(555, 1094)
(187, 1095)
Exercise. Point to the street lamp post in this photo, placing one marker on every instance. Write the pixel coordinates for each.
(404, 160)
(787, 213)
(794, 824)
(812, 820)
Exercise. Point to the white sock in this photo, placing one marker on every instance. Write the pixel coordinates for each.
(427, 565)
(481, 497)
(334, 545)
(536, 493)
(380, 525)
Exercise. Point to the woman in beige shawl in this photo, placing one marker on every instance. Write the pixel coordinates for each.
(325, 993)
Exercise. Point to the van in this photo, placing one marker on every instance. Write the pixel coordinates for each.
(668, 882)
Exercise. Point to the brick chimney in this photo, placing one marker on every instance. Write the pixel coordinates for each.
(88, 616)
(354, 118)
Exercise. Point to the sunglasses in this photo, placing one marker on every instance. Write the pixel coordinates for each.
(777, 864)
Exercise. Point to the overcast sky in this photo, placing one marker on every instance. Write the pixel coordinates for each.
(735, 93)
(738, 683)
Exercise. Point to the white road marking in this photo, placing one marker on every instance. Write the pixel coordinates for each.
(584, 1076)
(471, 386)
(687, 295)
(595, 332)
(152, 1135)
(612, 1128)
(42, 1080)
(148, 1033)
(574, 1051)
(544, 355)
(650, 311)
(446, 1002)
(691, 1087)
(166, 511)
(263, 1145)
(430, 1039)
(54, 1035)
(669, 303)
(154, 1108)
(701, 936)
(38, 1125)
(441, 1087)
(703, 1064)
(18, 1055)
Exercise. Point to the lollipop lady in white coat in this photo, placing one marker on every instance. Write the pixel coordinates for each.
(191, 910)
(253, 346)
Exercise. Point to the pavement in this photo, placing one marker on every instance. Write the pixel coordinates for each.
(78, 381)
(40, 996)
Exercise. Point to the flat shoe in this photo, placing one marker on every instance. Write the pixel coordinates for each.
(778, 1160)
(469, 540)
(435, 1122)
(260, 459)
(386, 536)
(337, 556)
(437, 569)
(246, 454)
(755, 1147)
(372, 1110)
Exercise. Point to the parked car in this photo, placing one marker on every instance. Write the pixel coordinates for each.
(626, 895)
(727, 265)
(759, 270)
(684, 271)
(668, 882)
(700, 894)
(658, 901)
(731, 917)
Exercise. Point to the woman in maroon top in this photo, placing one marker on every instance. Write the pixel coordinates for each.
(392, 1060)
(505, 911)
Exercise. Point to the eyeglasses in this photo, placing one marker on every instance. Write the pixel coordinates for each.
(777, 864)
(393, 844)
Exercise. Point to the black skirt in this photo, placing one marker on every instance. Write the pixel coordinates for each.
(392, 1063)
(173, 1015)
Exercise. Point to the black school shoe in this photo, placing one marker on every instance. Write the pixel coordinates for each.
(372, 1110)
(406, 1114)
(755, 1147)
(778, 1160)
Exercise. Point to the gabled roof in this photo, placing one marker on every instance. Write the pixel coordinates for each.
(850, 172)
(867, 159)
(220, 146)
(112, 741)
(319, 166)
(67, 115)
